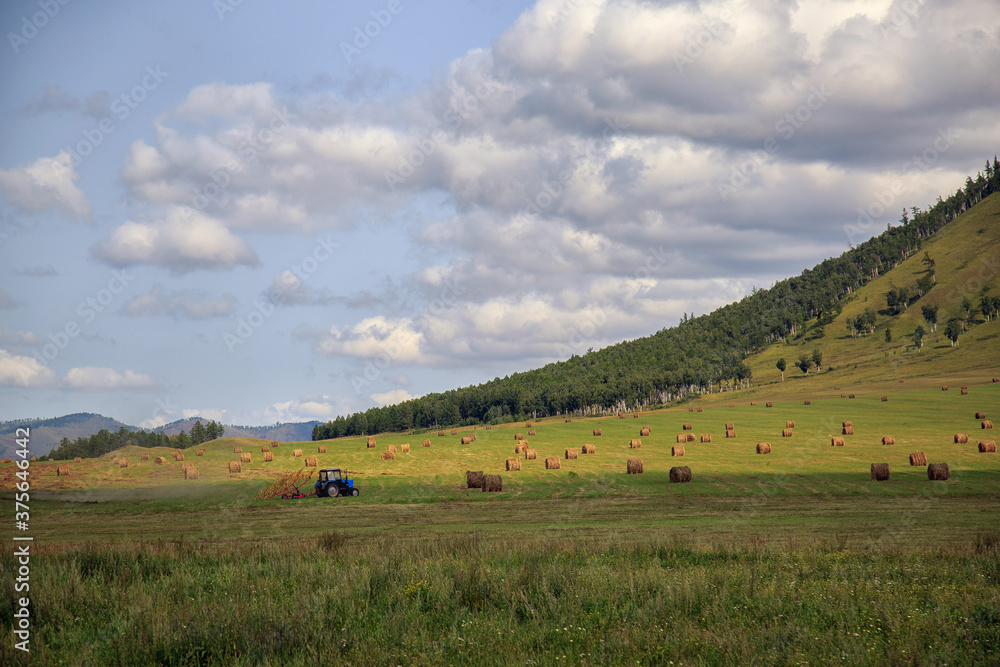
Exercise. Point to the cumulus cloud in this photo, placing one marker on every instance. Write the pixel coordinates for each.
(98, 378)
(372, 338)
(392, 397)
(185, 303)
(47, 184)
(183, 240)
(20, 371)
(306, 408)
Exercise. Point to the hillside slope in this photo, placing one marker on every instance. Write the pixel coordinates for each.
(46, 434)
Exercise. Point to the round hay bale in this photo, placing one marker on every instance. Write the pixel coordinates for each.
(682, 437)
(732, 405)
(789, 424)
(961, 439)
(571, 453)
(918, 459)
(521, 447)
(426, 443)
(488, 427)
(786, 433)
(467, 440)
(492, 484)
(964, 391)
(621, 415)
(987, 447)
(938, 472)
(237, 450)
(440, 434)
(995, 380)
(644, 432)
(687, 427)
(636, 443)
(178, 457)
(312, 461)
(235, 467)
(729, 426)
(987, 423)
(763, 448)
(769, 404)
(843, 395)
(588, 449)
(388, 456)
(527, 424)
(752, 403)
(371, 441)
(944, 388)
(730, 434)
(519, 436)
(391, 448)
(513, 464)
(677, 450)
(405, 448)
(836, 387)
(531, 455)
(980, 415)
(159, 460)
(690, 437)
(848, 430)
(888, 440)
(474, 438)
(62, 471)
(33, 458)
(473, 479)
(296, 453)
(837, 442)
(847, 423)
(268, 457)
(531, 432)
(245, 457)
(635, 415)
(699, 410)
(885, 399)
(370, 445)
(200, 452)
(706, 437)
(552, 462)
(454, 431)
(633, 467)
(806, 402)
(322, 449)
(597, 431)
(568, 420)
(880, 472)
(191, 473)
(77, 459)
(850, 396)
(275, 443)
(680, 475)
(690, 409)
(264, 448)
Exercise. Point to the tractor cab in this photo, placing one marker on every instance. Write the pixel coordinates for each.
(332, 484)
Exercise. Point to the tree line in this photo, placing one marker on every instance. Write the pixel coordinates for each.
(105, 441)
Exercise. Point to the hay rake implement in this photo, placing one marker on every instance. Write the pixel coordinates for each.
(288, 486)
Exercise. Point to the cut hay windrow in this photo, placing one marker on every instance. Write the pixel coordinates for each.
(571, 453)
(987, 447)
(687, 427)
(467, 440)
(706, 437)
(847, 423)
(880, 472)
(237, 450)
(636, 443)
(78, 459)
(312, 461)
(730, 433)
(763, 448)
(322, 449)
(786, 433)
(492, 484)
(473, 479)
(521, 447)
(837, 442)
(588, 449)
(677, 450)
(730, 426)
(961, 439)
(680, 475)
(268, 457)
(296, 453)
(938, 472)
(690, 437)
(769, 404)
(391, 448)
(426, 443)
(519, 436)
(245, 457)
(123, 463)
(388, 456)
(980, 415)
(530, 454)
(848, 430)
(513, 464)
(552, 463)
(191, 473)
(405, 448)
(633, 467)
(888, 440)
(235, 467)
(918, 459)
(987, 423)
(531, 432)
(159, 460)
(62, 471)
(789, 424)
(885, 399)
(644, 432)
(597, 431)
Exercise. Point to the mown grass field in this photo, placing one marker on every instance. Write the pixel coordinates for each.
(796, 557)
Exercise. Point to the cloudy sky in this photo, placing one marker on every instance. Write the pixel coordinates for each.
(262, 212)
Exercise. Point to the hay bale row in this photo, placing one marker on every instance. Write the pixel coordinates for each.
(552, 463)
(321, 449)
(837, 442)
(763, 448)
(388, 456)
(597, 431)
(588, 449)
(848, 430)
(987, 447)
(513, 464)
(235, 467)
(918, 459)
(680, 474)
(636, 443)
(633, 467)
(888, 440)
(245, 457)
(492, 484)
(961, 439)
(571, 454)
(880, 472)
(531, 455)
(268, 457)
(312, 461)
(987, 423)
(706, 437)
(938, 472)
(786, 433)
(473, 479)
(730, 433)
(191, 473)
(677, 450)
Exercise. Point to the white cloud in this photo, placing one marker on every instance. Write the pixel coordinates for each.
(180, 304)
(183, 240)
(372, 338)
(47, 184)
(392, 397)
(97, 378)
(307, 408)
(20, 371)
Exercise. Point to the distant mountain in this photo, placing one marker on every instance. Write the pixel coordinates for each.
(292, 432)
(46, 434)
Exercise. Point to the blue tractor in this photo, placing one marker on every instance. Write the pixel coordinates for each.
(331, 484)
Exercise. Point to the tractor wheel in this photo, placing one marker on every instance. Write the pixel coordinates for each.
(332, 491)
(354, 492)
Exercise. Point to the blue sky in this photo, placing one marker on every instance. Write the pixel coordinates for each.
(260, 213)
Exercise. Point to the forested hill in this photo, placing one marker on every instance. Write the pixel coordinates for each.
(701, 354)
